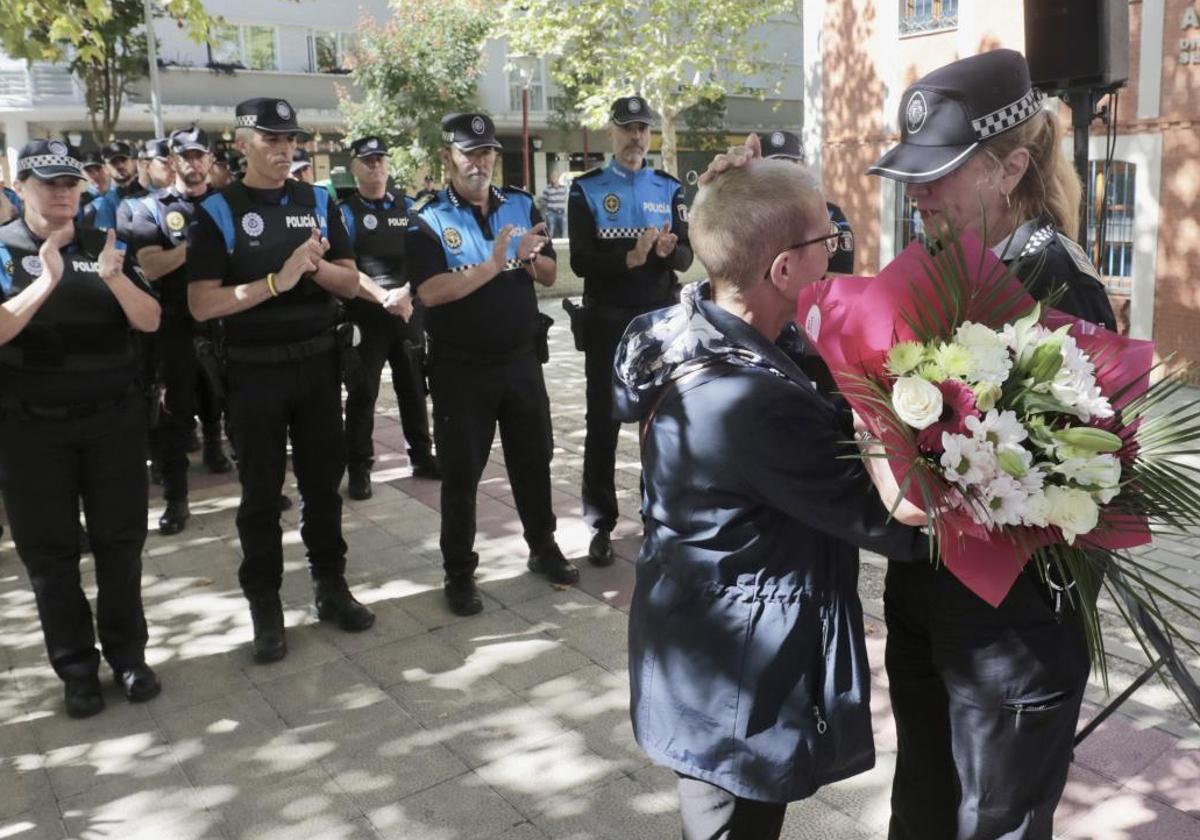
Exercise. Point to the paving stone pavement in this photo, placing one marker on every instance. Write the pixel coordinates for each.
(511, 725)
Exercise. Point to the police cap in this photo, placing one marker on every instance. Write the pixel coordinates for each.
(49, 159)
(300, 160)
(631, 109)
(186, 139)
(116, 149)
(269, 115)
(155, 147)
(469, 131)
(783, 144)
(947, 114)
(91, 159)
(367, 146)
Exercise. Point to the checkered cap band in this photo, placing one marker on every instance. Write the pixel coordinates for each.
(508, 266)
(1010, 115)
(38, 161)
(247, 121)
(619, 233)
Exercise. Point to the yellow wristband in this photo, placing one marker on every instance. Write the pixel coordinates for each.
(271, 285)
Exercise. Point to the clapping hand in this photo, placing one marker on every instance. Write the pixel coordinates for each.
(50, 256)
(664, 246)
(641, 249)
(111, 262)
(532, 242)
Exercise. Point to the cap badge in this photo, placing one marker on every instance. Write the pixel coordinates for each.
(612, 203)
(916, 113)
(452, 238)
(175, 221)
(478, 126)
(372, 144)
(31, 265)
(283, 110)
(370, 222)
(57, 147)
(635, 106)
(252, 223)
(777, 139)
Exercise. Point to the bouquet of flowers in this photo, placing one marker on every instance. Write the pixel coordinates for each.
(1023, 432)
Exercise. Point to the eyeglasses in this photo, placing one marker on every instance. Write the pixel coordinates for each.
(835, 239)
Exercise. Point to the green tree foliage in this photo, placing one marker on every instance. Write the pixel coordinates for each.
(102, 41)
(410, 71)
(675, 53)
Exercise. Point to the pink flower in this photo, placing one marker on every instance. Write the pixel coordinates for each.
(958, 403)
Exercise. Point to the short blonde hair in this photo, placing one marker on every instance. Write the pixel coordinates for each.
(744, 218)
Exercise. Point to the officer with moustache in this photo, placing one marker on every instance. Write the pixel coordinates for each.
(268, 258)
(392, 328)
(474, 252)
(158, 236)
(627, 225)
(122, 166)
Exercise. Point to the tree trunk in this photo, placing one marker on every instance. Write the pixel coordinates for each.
(669, 118)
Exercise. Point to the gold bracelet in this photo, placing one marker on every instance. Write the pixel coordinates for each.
(271, 285)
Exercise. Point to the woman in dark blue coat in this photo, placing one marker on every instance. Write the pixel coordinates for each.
(747, 656)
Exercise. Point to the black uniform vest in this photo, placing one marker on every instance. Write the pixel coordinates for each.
(77, 348)
(379, 238)
(260, 238)
(173, 213)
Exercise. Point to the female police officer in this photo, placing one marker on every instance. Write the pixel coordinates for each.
(986, 700)
(72, 426)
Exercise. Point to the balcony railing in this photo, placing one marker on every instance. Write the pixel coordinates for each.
(920, 16)
(41, 83)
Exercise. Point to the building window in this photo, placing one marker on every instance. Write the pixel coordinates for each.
(537, 90)
(243, 46)
(330, 52)
(920, 16)
(908, 220)
(1114, 255)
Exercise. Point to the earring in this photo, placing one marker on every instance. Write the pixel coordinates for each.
(1008, 200)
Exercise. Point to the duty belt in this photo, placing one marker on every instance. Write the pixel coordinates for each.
(280, 353)
(17, 409)
(445, 353)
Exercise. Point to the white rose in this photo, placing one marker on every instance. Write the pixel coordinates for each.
(917, 401)
(1074, 511)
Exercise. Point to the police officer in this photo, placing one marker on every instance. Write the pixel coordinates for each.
(154, 173)
(474, 252)
(986, 699)
(158, 236)
(220, 175)
(122, 166)
(392, 328)
(786, 145)
(628, 229)
(302, 169)
(96, 206)
(267, 257)
(72, 426)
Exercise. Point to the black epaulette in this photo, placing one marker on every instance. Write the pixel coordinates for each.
(421, 203)
(518, 190)
(667, 175)
(1079, 257)
(591, 173)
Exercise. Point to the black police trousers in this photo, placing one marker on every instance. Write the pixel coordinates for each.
(986, 701)
(709, 812)
(47, 466)
(268, 404)
(386, 339)
(178, 373)
(469, 400)
(603, 329)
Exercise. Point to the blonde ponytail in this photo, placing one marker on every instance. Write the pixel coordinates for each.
(1050, 185)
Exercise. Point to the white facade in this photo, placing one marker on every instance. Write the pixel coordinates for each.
(282, 46)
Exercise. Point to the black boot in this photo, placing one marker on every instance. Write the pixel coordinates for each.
(425, 466)
(138, 682)
(358, 487)
(266, 613)
(600, 552)
(193, 441)
(462, 595)
(174, 517)
(214, 453)
(549, 561)
(83, 697)
(336, 604)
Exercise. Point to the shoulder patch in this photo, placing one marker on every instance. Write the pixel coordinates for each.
(1079, 257)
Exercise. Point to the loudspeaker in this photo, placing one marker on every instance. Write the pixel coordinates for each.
(1077, 44)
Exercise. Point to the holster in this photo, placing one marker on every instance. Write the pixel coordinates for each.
(578, 316)
(154, 400)
(541, 342)
(212, 368)
(348, 338)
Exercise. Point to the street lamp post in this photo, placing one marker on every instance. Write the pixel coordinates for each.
(526, 67)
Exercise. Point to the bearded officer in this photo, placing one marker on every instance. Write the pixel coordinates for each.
(628, 229)
(474, 253)
(786, 145)
(158, 235)
(392, 328)
(268, 257)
